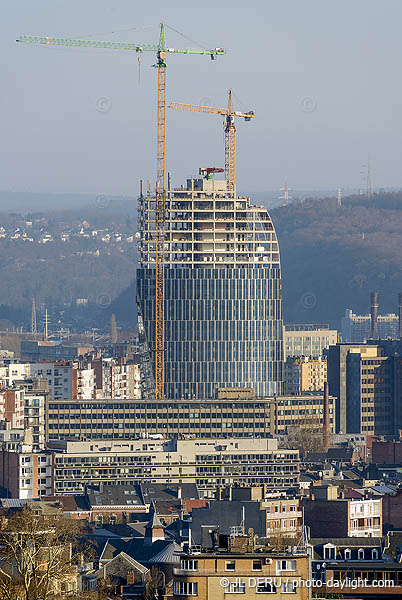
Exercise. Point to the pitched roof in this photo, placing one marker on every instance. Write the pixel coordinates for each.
(131, 562)
(190, 504)
(168, 555)
(134, 547)
(114, 495)
(154, 522)
(160, 491)
(348, 542)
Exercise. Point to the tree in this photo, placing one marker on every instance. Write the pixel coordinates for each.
(155, 583)
(37, 556)
(307, 437)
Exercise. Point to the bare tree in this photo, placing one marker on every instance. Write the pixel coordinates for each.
(37, 556)
(155, 582)
(307, 436)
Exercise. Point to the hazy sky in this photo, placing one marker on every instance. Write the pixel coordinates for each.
(324, 79)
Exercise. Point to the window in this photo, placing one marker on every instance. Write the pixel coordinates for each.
(285, 565)
(98, 521)
(266, 588)
(236, 587)
(189, 565)
(230, 565)
(289, 587)
(257, 565)
(374, 554)
(185, 588)
(112, 520)
(348, 554)
(360, 554)
(330, 552)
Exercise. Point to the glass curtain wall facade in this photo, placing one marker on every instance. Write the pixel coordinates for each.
(223, 298)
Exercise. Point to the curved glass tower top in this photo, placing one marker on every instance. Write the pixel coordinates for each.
(223, 298)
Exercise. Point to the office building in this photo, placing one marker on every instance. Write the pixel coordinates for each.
(308, 339)
(37, 351)
(125, 419)
(223, 297)
(357, 328)
(367, 382)
(209, 463)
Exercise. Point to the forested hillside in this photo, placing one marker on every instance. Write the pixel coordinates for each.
(333, 256)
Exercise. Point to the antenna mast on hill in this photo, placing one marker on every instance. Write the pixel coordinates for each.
(45, 333)
(285, 196)
(369, 183)
(339, 196)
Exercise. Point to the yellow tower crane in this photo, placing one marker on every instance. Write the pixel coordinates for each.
(230, 131)
(161, 54)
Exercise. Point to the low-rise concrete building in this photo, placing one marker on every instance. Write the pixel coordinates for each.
(210, 463)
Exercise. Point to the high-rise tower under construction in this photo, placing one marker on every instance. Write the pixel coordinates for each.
(223, 298)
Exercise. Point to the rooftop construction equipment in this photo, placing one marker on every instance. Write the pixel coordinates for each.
(230, 131)
(161, 54)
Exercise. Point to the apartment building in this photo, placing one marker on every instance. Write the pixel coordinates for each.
(24, 472)
(305, 375)
(327, 515)
(237, 565)
(120, 379)
(12, 406)
(210, 463)
(34, 417)
(66, 380)
(284, 516)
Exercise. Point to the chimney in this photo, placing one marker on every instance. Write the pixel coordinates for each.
(400, 314)
(374, 315)
(326, 425)
(179, 492)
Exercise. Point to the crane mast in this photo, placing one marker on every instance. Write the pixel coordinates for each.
(160, 200)
(230, 132)
(160, 222)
